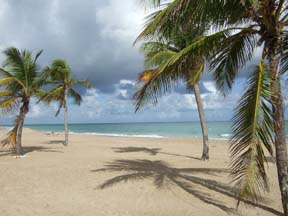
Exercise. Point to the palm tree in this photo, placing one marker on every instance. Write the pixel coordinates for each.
(239, 28)
(158, 54)
(20, 81)
(60, 77)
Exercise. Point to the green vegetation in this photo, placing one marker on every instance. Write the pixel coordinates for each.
(160, 78)
(20, 81)
(238, 28)
(60, 76)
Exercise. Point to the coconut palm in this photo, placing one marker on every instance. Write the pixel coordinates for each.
(157, 54)
(238, 29)
(60, 77)
(20, 81)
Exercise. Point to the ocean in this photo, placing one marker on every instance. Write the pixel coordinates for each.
(217, 130)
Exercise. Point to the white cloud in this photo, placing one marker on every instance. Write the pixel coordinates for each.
(210, 86)
(118, 25)
(96, 38)
(125, 82)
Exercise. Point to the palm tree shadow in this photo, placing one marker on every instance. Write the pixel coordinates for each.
(6, 152)
(27, 150)
(162, 174)
(56, 142)
(151, 151)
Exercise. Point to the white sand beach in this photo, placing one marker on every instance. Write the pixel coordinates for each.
(167, 178)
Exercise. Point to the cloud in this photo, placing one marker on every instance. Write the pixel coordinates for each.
(96, 38)
(99, 107)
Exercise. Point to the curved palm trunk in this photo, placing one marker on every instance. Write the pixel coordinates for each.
(66, 117)
(280, 137)
(20, 123)
(205, 153)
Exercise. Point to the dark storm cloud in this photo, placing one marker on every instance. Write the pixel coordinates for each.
(94, 36)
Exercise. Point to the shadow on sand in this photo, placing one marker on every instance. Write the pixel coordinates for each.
(28, 149)
(151, 151)
(162, 174)
(56, 142)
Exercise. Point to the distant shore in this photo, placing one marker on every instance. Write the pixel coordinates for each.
(166, 178)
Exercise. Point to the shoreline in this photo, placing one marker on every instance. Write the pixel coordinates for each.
(219, 131)
(156, 136)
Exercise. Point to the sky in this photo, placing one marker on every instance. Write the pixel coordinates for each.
(96, 38)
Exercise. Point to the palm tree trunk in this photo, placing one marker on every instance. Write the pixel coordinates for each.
(280, 137)
(66, 117)
(18, 147)
(205, 153)
(20, 122)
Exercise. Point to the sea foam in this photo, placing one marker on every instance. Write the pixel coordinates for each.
(119, 135)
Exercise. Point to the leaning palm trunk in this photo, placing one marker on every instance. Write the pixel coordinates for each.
(280, 137)
(205, 153)
(19, 125)
(66, 118)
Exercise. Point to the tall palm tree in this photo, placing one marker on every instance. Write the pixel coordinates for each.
(157, 54)
(60, 76)
(20, 81)
(238, 29)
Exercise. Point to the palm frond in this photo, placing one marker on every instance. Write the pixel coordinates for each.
(9, 104)
(5, 73)
(76, 96)
(12, 135)
(203, 46)
(157, 53)
(20, 65)
(13, 60)
(179, 66)
(61, 104)
(55, 94)
(59, 71)
(284, 60)
(194, 75)
(233, 53)
(6, 81)
(157, 46)
(158, 23)
(252, 132)
(10, 140)
(37, 55)
(84, 83)
(194, 13)
(161, 81)
(156, 59)
(6, 93)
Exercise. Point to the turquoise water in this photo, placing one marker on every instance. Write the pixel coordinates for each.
(183, 129)
(219, 130)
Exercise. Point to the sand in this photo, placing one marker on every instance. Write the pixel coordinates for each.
(166, 178)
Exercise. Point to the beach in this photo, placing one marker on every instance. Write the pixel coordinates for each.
(166, 178)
